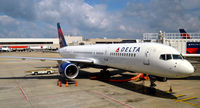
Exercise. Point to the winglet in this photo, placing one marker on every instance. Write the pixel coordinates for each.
(61, 37)
(184, 34)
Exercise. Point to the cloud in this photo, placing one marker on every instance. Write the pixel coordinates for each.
(23, 9)
(190, 4)
(166, 15)
(76, 15)
(8, 25)
(38, 18)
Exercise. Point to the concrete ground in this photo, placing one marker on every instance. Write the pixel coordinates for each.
(19, 89)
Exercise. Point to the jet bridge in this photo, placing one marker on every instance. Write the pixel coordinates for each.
(176, 40)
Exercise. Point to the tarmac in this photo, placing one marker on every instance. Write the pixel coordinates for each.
(19, 89)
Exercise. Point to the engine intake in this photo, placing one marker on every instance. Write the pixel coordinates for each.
(68, 70)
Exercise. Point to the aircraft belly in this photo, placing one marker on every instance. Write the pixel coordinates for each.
(123, 63)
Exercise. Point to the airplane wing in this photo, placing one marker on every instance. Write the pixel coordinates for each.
(82, 60)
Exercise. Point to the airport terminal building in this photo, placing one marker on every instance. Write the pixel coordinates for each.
(35, 42)
(184, 45)
(53, 43)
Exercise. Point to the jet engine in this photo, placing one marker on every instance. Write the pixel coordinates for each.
(68, 70)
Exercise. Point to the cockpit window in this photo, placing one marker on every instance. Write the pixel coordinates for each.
(177, 56)
(162, 57)
(165, 56)
(169, 56)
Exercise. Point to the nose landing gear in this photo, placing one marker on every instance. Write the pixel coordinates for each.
(152, 84)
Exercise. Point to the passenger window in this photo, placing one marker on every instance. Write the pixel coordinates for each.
(131, 54)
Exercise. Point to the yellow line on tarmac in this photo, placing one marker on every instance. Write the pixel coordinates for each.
(191, 104)
(186, 99)
(180, 95)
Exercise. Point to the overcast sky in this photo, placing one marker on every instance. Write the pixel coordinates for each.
(97, 18)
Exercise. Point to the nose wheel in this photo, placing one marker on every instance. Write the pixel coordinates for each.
(153, 85)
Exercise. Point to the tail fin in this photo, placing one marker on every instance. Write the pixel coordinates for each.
(62, 41)
(184, 34)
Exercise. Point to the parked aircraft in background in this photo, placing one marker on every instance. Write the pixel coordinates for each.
(157, 60)
(184, 34)
(193, 48)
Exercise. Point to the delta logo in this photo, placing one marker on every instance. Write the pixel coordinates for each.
(117, 50)
(128, 49)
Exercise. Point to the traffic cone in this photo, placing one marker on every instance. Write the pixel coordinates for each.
(75, 83)
(57, 82)
(67, 84)
(60, 84)
(170, 89)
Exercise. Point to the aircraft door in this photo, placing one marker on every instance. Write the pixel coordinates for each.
(147, 58)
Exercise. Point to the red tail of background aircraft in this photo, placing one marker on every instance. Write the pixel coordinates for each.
(184, 34)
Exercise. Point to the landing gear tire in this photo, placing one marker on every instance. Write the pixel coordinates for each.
(164, 79)
(153, 85)
(104, 74)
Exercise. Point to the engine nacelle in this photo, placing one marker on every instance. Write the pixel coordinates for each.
(68, 70)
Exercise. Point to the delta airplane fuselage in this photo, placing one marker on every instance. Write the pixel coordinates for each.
(150, 58)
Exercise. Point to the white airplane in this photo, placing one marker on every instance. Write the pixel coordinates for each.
(157, 60)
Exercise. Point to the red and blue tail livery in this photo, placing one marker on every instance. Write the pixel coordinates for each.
(62, 41)
(184, 34)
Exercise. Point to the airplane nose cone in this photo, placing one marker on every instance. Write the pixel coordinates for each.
(188, 68)
(184, 69)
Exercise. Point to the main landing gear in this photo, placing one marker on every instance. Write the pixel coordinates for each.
(104, 74)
